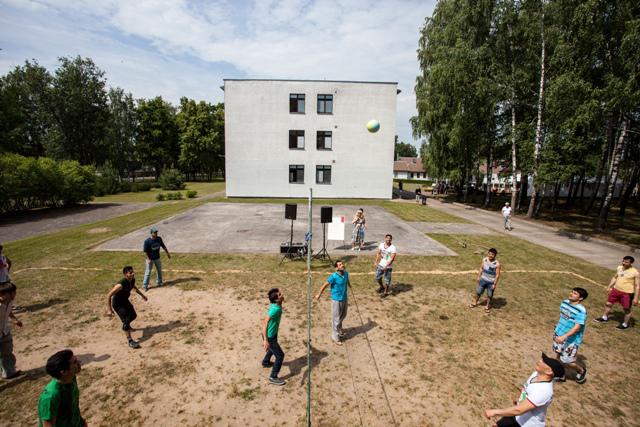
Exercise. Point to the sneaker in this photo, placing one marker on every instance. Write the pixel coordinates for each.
(622, 327)
(380, 290)
(276, 381)
(134, 344)
(600, 320)
(342, 334)
(267, 365)
(16, 374)
(560, 379)
(581, 377)
(337, 342)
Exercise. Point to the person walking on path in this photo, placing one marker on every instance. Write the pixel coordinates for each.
(506, 214)
(384, 265)
(339, 281)
(488, 277)
(567, 336)
(59, 403)
(535, 397)
(270, 327)
(7, 358)
(118, 301)
(359, 225)
(624, 288)
(5, 266)
(151, 249)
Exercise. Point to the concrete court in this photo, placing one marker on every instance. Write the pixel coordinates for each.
(260, 228)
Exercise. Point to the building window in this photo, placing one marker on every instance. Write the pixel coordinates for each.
(325, 104)
(296, 174)
(296, 103)
(323, 140)
(296, 139)
(323, 174)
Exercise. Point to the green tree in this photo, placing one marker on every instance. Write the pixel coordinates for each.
(79, 107)
(121, 131)
(25, 121)
(403, 149)
(157, 143)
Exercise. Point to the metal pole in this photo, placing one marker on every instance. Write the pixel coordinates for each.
(309, 310)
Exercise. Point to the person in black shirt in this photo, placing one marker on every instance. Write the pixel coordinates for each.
(118, 301)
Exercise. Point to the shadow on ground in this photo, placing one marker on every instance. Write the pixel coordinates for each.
(150, 331)
(45, 304)
(296, 365)
(181, 280)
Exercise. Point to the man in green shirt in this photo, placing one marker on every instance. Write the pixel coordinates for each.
(59, 402)
(270, 327)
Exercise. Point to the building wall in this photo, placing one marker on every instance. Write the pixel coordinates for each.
(257, 124)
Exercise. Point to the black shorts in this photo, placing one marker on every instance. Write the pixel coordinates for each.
(507, 422)
(125, 312)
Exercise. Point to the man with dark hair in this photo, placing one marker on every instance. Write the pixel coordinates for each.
(118, 300)
(567, 336)
(59, 403)
(488, 277)
(339, 304)
(624, 288)
(535, 397)
(384, 265)
(7, 358)
(270, 327)
(151, 249)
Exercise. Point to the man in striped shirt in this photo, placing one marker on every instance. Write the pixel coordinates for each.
(567, 336)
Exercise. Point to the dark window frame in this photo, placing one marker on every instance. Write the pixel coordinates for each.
(294, 103)
(321, 136)
(324, 169)
(324, 100)
(296, 170)
(293, 139)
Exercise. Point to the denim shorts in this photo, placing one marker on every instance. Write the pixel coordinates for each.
(482, 285)
(568, 352)
(386, 274)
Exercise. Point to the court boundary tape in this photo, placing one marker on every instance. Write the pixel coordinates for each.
(297, 273)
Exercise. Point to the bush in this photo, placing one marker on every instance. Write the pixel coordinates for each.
(171, 179)
(174, 196)
(141, 186)
(79, 183)
(125, 187)
(161, 197)
(155, 184)
(108, 182)
(191, 194)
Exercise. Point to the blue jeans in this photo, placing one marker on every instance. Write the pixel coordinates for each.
(274, 350)
(386, 274)
(147, 272)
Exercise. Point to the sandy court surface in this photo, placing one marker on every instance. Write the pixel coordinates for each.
(260, 228)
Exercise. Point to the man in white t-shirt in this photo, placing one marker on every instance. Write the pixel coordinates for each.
(384, 265)
(506, 214)
(535, 397)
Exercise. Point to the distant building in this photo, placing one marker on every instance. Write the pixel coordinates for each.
(283, 137)
(409, 168)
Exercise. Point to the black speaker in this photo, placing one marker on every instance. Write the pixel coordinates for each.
(326, 214)
(290, 211)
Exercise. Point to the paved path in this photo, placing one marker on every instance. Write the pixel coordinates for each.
(49, 221)
(595, 251)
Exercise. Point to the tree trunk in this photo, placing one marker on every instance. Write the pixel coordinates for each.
(487, 195)
(572, 183)
(556, 194)
(605, 156)
(613, 176)
(624, 198)
(514, 166)
(540, 199)
(538, 142)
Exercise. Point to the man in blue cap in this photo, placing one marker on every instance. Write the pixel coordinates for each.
(151, 249)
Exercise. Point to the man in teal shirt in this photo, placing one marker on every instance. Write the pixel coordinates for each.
(59, 402)
(270, 327)
(338, 282)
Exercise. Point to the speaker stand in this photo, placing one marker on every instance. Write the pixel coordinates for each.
(289, 254)
(322, 253)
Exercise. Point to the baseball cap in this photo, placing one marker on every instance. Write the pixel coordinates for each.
(153, 230)
(555, 365)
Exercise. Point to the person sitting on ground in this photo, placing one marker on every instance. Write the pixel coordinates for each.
(7, 358)
(118, 300)
(535, 397)
(488, 277)
(59, 403)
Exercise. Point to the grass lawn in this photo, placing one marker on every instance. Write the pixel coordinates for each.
(199, 362)
(203, 189)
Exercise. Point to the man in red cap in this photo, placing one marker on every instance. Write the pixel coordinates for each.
(535, 397)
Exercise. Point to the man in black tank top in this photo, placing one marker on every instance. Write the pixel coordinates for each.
(118, 301)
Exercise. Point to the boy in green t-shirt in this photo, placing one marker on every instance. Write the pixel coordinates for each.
(59, 402)
(270, 327)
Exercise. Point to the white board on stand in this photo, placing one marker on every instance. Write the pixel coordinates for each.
(336, 229)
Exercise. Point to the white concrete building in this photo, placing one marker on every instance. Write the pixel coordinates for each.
(283, 137)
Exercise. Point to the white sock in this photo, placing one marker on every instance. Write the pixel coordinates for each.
(605, 317)
(624, 324)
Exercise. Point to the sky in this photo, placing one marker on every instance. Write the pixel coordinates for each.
(176, 48)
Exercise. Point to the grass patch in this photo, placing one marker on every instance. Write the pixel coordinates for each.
(202, 188)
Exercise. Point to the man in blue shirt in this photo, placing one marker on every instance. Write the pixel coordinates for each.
(338, 282)
(567, 336)
(151, 249)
